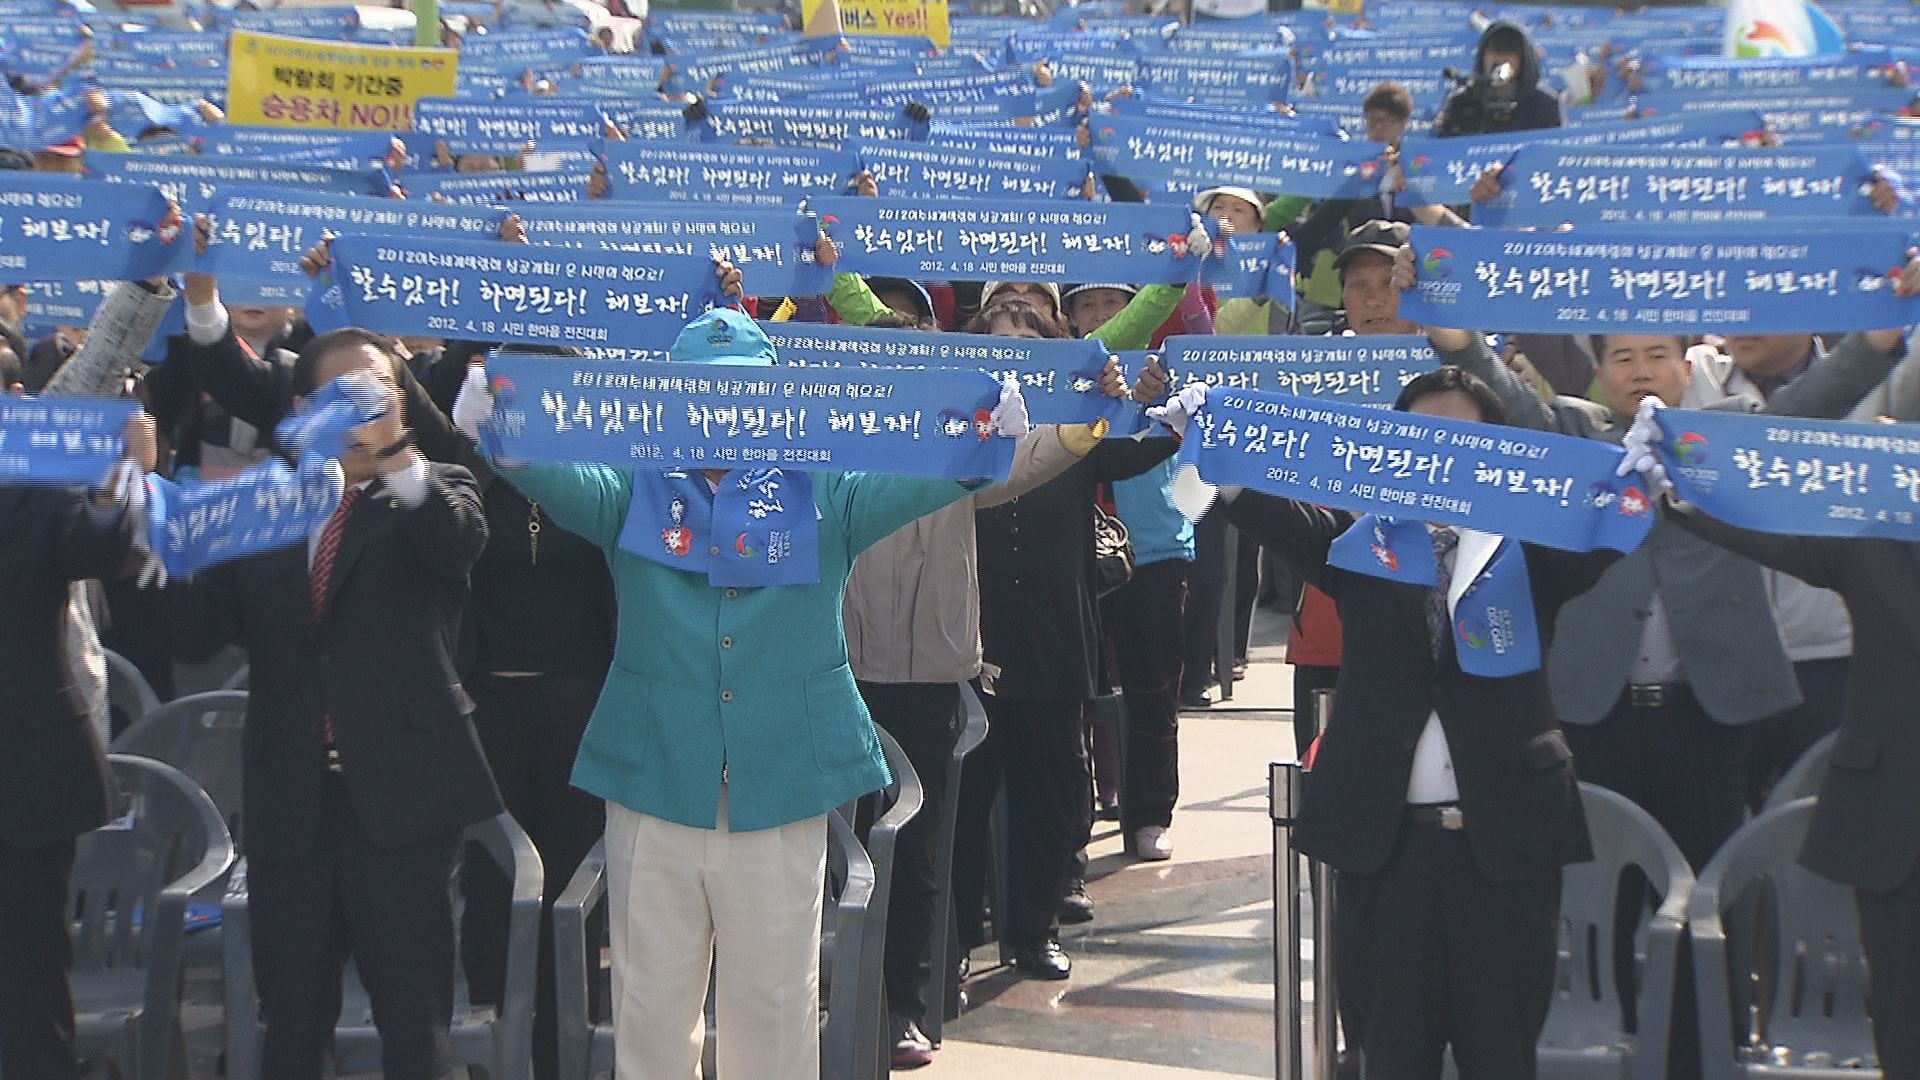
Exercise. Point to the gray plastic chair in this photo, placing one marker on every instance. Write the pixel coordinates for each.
(1803, 779)
(238, 680)
(130, 696)
(586, 1041)
(1810, 1019)
(890, 809)
(496, 1043)
(944, 985)
(200, 736)
(131, 883)
(1583, 1035)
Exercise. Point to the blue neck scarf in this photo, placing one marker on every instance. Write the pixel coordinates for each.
(757, 527)
(1490, 601)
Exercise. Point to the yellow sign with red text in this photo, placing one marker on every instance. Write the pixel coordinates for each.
(887, 18)
(299, 82)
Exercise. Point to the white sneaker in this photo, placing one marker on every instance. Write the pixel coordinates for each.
(1152, 844)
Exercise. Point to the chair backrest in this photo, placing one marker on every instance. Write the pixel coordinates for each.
(1812, 1009)
(200, 736)
(129, 696)
(238, 680)
(1588, 1010)
(850, 887)
(1802, 780)
(166, 828)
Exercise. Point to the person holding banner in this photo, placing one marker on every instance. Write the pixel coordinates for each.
(54, 784)
(1444, 792)
(729, 727)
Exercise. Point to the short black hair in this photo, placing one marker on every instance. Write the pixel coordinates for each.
(1390, 98)
(306, 366)
(1598, 343)
(1450, 379)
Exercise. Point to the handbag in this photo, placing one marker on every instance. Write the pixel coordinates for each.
(1112, 552)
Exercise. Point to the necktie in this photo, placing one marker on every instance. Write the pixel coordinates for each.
(1444, 541)
(318, 581)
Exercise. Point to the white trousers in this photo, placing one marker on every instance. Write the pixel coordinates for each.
(681, 898)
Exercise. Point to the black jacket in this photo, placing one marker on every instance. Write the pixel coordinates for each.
(53, 774)
(1526, 107)
(1512, 764)
(1866, 831)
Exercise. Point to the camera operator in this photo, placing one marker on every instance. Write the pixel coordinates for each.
(1504, 92)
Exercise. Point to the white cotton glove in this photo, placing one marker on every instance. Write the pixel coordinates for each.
(1641, 455)
(473, 407)
(1175, 414)
(1010, 416)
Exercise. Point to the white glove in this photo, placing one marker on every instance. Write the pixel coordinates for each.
(473, 407)
(1641, 455)
(1010, 416)
(1175, 414)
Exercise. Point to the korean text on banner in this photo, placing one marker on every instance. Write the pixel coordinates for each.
(889, 18)
(294, 82)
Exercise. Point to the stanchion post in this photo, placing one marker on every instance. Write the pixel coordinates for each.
(1326, 988)
(1283, 797)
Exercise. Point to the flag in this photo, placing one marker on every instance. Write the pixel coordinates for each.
(1773, 29)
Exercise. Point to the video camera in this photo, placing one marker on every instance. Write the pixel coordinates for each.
(1478, 100)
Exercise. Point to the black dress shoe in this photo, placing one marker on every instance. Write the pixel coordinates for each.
(1076, 907)
(1047, 960)
(1195, 699)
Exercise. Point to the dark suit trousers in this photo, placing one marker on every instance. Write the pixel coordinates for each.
(530, 729)
(387, 907)
(36, 1002)
(1780, 739)
(1037, 748)
(1145, 615)
(1437, 955)
(925, 719)
(1890, 930)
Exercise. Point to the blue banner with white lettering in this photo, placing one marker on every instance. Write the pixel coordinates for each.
(638, 414)
(984, 239)
(61, 440)
(1059, 378)
(58, 228)
(718, 173)
(495, 291)
(1235, 80)
(1533, 486)
(1354, 370)
(774, 249)
(1550, 185)
(503, 127)
(1160, 155)
(827, 127)
(1800, 477)
(567, 185)
(267, 506)
(1678, 279)
(261, 233)
(924, 170)
(193, 180)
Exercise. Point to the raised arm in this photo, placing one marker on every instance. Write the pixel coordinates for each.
(1831, 387)
(1814, 560)
(1301, 533)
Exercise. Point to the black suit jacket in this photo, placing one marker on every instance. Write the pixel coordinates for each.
(381, 664)
(53, 775)
(1510, 760)
(1866, 830)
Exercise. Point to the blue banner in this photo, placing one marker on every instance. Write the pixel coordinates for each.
(1352, 370)
(504, 127)
(772, 248)
(1711, 75)
(192, 181)
(261, 233)
(1800, 477)
(495, 291)
(1643, 279)
(1531, 486)
(926, 171)
(636, 414)
(1163, 156)
(61, 440)
(1792, 115)
(985, 239)
(827, 127)
(1060, 378)
(1007, 141)
(58, 228)
(713, 173)
(1235, 80)
(567, 185)
(1549, 185)
(267, 506)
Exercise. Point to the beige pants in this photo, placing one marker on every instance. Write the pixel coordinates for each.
(679, 899)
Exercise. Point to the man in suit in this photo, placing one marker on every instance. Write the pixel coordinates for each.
(361, 763)
(53, 774)
(1445, 799)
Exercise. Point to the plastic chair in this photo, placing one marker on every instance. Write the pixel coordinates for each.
(1803, 779)
(1810, 1020)
(944, 986)
(496, 1043)
(129, 696)
(586, 1042)
(200, 736)
(890, 809)
(238, 680)
(1583, 1034)
(131, 882)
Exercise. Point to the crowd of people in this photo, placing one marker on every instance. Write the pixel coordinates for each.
(467, 635)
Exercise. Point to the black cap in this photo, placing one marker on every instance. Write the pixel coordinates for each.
(11, 159)
(1382, 237)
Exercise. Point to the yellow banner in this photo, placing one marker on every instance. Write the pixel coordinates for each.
(299, 82)
(900, 18)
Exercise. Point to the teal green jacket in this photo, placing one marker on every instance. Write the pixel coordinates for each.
(747, 685)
